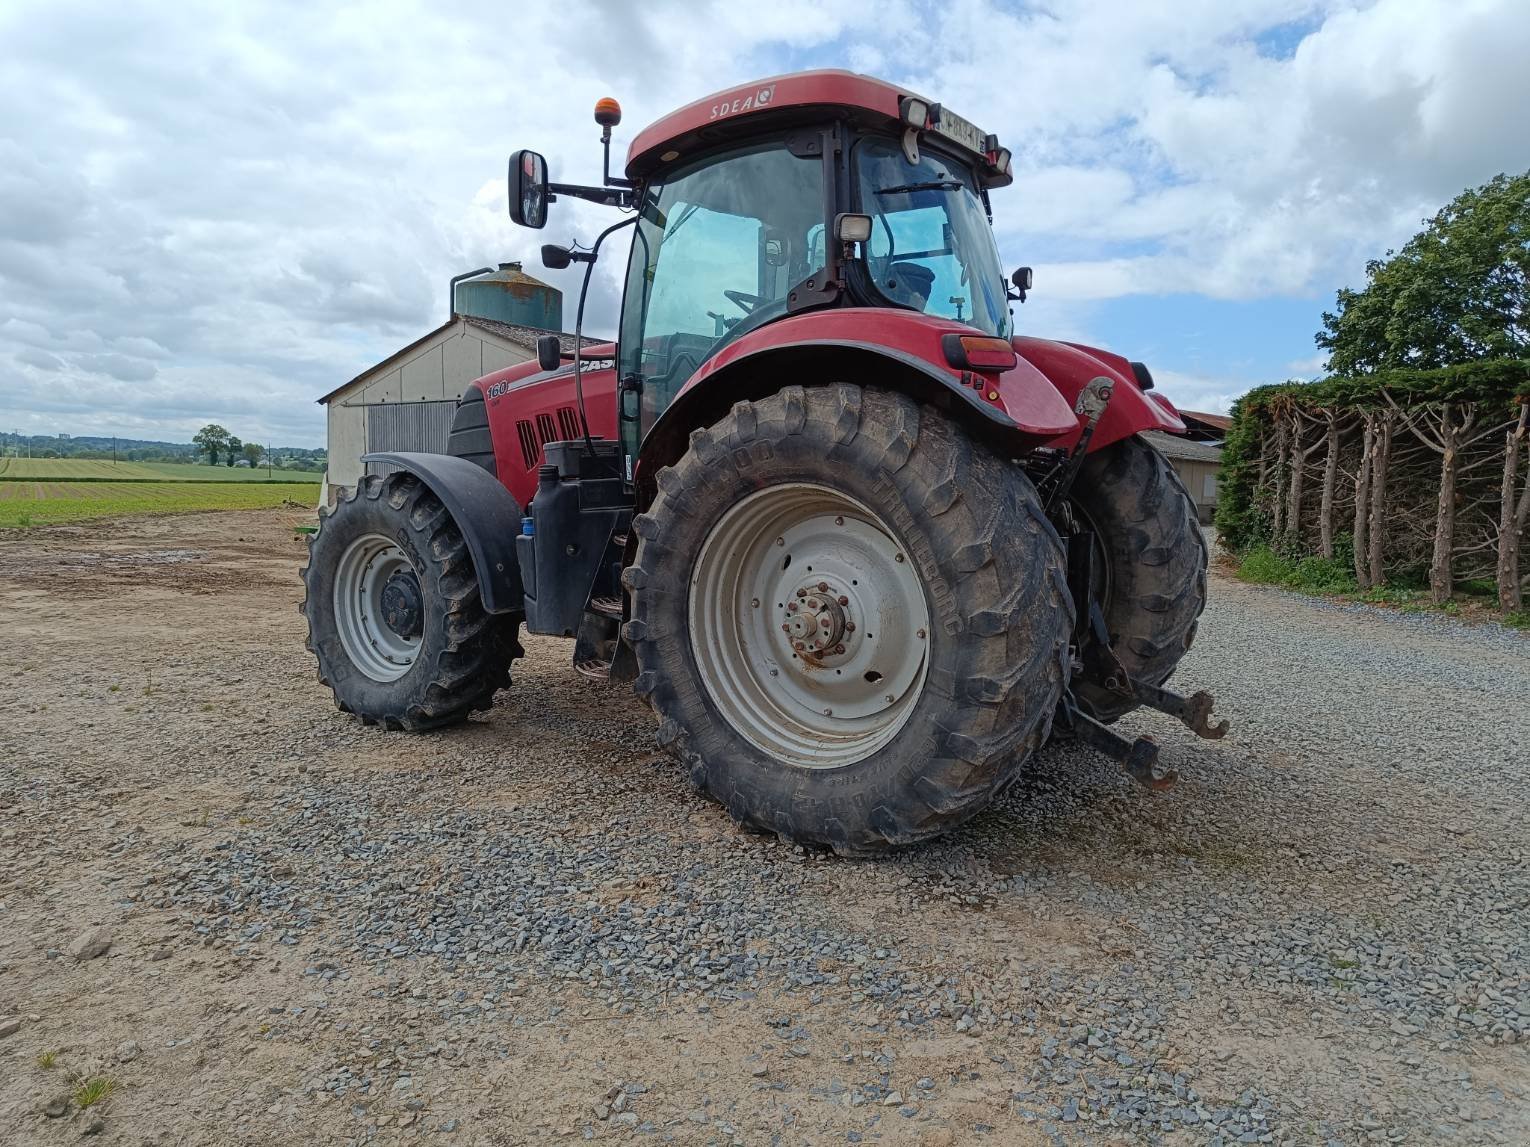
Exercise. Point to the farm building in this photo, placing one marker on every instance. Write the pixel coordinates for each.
(406, 401)
(1198, 465)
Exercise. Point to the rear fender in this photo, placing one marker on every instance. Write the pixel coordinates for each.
(897, 350)
(486, 513)
(1070, 368)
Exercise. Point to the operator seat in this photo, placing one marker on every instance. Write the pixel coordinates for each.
(909, 284)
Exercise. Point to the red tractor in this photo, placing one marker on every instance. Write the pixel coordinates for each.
(858, 544)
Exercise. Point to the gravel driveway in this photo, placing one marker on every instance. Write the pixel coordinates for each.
(529, 928)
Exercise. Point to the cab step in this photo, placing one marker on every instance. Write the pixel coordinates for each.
(607, 607)
(594, 669)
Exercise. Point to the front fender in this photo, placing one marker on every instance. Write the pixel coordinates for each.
(484, 511)
(1070, 367)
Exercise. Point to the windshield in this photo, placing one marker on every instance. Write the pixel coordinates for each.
(718, 248)
(931, 246)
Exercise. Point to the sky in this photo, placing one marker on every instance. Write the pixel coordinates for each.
(217, 213)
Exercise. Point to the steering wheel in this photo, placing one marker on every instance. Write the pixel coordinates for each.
(745, 301)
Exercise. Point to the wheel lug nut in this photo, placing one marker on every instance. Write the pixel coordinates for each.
(802, 593)
(921, 635)
(785, 628)
(823, 587)
(791, 607)
(897, 557)
(839, 521)
(849, 627)
(843, 600)
(799, 646)
(839, 649)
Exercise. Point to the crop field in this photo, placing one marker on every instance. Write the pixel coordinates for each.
(99, 470)
(37, 503)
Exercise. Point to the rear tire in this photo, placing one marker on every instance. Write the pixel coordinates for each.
(456, 655)
(1154, 552)
(898, 495)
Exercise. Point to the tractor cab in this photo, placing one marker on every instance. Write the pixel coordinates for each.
(813, 191)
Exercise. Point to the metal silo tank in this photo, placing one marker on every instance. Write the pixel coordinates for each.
(509, 295)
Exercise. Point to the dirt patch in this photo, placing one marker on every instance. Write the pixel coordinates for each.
(529, 928)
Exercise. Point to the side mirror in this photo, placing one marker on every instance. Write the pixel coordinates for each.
(549, 353)
(556, 257)
(528, 189)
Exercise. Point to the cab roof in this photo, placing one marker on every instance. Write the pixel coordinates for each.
(720, 114)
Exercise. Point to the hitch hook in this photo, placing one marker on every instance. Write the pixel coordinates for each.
(1139, 758)
(1193, 711)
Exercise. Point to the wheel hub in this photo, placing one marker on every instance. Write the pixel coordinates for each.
(379, 607)
(403, 608)
(809, 624)
(819, 620)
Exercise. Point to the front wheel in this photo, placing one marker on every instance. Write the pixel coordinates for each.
(394, 614)
(851, 620)
(1150, 565)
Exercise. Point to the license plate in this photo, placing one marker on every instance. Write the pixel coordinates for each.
(960, 131)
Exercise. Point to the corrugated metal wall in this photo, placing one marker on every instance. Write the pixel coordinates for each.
(421, 426)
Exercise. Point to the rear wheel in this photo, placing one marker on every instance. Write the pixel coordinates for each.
(850, 619)
(1150, 565)
(394, 614)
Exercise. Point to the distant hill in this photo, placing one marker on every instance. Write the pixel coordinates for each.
(140, 450)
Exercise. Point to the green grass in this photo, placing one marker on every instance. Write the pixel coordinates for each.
(45, 503)
(46, 1059)
(89, 1092)
(1264, 566)
(1406, 592)
(98, 470)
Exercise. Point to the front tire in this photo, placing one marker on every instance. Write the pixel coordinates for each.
(885, 694)
(394, 614)
(1152, 559)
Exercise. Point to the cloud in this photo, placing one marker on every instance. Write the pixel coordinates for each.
(224, 217)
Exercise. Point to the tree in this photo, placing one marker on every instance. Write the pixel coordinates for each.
(235, 448)
(1458, 291)
(253, 452)
(211, 440)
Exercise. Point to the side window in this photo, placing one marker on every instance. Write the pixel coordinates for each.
(698, 260)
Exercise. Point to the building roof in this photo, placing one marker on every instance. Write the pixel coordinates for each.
(523, 337)
(1174, 446)
(1222, 422)
(526, 336)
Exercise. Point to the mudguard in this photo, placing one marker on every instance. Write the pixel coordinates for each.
(1015, 409)
(1070, 367)
(486, 513)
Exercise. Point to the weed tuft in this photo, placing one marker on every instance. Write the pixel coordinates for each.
(89, 1092)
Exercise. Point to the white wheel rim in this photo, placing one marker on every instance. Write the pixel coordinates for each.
(819, 678)
(373, 648)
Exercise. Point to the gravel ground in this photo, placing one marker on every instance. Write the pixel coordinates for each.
(528, 928)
